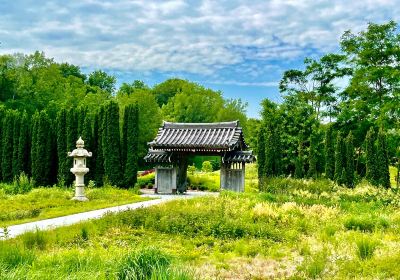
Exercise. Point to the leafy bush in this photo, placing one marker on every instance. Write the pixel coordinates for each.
(206, 166)
(366, 248)
(204, 181)
(146, 181)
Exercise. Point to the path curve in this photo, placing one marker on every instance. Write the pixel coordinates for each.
(52, 223)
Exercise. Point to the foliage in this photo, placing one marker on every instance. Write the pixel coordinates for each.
(146, 181)
(349, 160)
(340, 160)
(366, 247)
(130, 144)
(206, 167)
(329, 153)
(382, 160)
(111, 144)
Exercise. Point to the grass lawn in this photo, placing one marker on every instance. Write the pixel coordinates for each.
(295, 229)
(44, 203)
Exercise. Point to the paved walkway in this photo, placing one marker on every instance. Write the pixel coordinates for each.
(16, 230)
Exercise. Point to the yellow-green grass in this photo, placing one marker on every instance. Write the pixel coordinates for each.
(296, 229)
(393, 174)
(45, 203)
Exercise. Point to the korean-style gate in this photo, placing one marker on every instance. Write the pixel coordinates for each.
(176, 141)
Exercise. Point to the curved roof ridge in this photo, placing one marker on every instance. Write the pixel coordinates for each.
(177, 125)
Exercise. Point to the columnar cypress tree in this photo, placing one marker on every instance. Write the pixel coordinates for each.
(98, 158)
(382, 161)
(340, 159)
(132, 145)
(299, 163)
(269, 154)
(63, 168)
(312, 159)
(87, 136)
(34, 148)
(7, 153)
(124, 135)
(370, 157)
(329, 154)
(261, 155)
(111, 145)
(72, 137)
(24, 145)
(277, 151)
(2, 117)
(16, 164)
(81, 116)
(43, 175)
(350, 160)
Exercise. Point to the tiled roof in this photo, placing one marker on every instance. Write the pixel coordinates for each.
(223, 136)
(239, 156)
(158, 156)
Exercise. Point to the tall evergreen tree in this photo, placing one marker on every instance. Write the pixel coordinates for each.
(98, 158)
(132, 144)
(340, 159)
(24, 145)
(269, 154)
(111, 144)
(350, 160)
(63, 172)
(382, 160)
(87, 136)
(370, 157)
(313, 156)
(16, 164)
(329, 154)
(7, 153)
(81, 116)
(261, 155)
(72, 137)
(2, 117)
(34, 148)
(44, 149)
(299, 163)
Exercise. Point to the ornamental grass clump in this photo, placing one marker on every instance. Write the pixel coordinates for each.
(12, 256)
(365, 247)
(149, 264)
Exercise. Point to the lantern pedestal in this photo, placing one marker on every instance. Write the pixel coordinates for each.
(79, 169)
(80, 194)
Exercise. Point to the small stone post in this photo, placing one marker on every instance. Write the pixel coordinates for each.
(79, 169)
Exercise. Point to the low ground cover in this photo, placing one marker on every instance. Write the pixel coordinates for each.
(44, 203)
(296, 229)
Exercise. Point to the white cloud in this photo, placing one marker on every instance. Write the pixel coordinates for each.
(208, 38)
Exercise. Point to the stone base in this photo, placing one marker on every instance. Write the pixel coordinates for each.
(80, 193)
(80, 198)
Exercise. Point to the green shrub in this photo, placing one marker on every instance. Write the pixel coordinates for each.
(146, 181)
(365, 248)
(206, 166)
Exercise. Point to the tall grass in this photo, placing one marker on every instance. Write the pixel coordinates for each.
(149, 263)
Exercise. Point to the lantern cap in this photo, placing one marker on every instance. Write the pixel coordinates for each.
(80, 143)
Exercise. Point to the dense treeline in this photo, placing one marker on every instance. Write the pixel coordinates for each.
(38, 146)
(30, 83)
(340, 115)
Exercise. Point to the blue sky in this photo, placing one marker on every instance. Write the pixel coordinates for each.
(239, 47)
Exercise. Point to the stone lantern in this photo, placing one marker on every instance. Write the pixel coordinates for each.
(79, 169)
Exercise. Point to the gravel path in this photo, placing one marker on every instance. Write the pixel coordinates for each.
(47, 224)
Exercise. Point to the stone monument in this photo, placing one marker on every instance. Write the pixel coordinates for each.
(79, 169)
